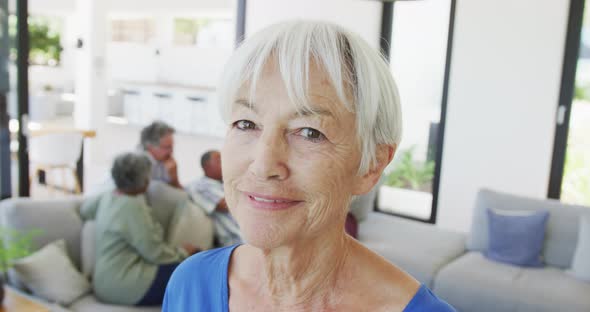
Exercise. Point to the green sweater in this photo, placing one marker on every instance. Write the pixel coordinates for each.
(129, 247)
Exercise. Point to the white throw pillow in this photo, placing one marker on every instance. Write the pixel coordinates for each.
(581, 262)
(50, 274)
(191, 225)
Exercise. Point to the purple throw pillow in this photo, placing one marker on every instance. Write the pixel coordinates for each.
(516, 238)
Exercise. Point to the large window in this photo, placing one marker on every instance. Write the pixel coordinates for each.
(204, 32)
(570, 180)
(418, 53)
(139, 30)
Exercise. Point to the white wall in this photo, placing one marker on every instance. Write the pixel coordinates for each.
(188, 65)
(504, 87)
(363, 17)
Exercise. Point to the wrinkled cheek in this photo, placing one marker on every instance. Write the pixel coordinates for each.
(328, 207)
(231, 194)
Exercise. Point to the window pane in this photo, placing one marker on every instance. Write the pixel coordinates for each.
(418, 57)
(575, 188)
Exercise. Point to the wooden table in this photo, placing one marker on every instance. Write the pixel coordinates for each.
(13, 302)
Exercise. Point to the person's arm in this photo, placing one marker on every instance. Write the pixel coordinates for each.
(207, 195)
(147, 236)
(89, 207)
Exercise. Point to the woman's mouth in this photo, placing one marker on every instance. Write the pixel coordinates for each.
(266, 202)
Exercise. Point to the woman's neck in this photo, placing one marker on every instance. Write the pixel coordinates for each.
(305, 274)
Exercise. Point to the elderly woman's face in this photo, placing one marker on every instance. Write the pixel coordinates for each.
(289, 176)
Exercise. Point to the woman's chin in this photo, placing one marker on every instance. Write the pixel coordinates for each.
(266, 236)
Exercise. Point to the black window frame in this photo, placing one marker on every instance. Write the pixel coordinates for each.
(385, 47)
(566, 96)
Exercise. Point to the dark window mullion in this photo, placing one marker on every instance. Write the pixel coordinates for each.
(566, 94)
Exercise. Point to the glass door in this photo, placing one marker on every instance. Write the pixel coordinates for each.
(570, 176)
(420, 36)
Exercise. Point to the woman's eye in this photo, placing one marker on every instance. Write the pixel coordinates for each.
(311, 134)
(244, 125)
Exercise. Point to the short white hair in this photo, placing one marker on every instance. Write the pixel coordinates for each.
(353, 67)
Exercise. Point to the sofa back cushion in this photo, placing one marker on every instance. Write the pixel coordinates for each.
(562, 226)
(164, 199)
(581, 263)
(88, 248)
(361, 205)
(56, 219)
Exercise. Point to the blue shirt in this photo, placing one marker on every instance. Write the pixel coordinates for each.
(201, 281)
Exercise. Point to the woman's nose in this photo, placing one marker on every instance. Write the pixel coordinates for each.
(270, 157)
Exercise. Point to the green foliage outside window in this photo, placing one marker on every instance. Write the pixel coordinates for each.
(582, 93)
(186, 30)
(576, 173)
(411, 174)
(44, 40)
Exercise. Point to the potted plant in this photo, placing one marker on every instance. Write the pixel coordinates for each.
(407, 188)
(410, 174)
(14, 245)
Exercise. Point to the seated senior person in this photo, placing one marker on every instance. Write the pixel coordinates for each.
(133, 262)
(314, 117)
(157, 140)
(208, 191)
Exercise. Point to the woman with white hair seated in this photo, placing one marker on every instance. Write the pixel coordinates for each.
(133, 262)
(314, 117)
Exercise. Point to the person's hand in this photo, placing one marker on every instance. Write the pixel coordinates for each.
(171, 169)
(222, 206)
(190, 248)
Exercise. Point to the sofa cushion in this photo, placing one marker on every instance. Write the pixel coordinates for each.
(581, 263)
(48, 267)
(191, 225)
(516, 238)
(56, 219)
(88, 248)
(89, 303)
(562, 226)
(164, 199)
(474, 283)
(418, 248)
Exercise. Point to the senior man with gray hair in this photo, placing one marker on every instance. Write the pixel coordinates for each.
(158, 142)
(133, 261)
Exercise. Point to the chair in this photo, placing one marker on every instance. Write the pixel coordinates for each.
(56, 150)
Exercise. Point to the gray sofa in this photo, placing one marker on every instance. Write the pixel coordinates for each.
(57, 219)
(453, 265)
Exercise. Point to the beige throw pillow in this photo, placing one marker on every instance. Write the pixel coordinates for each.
(50, 274)
(191, 225)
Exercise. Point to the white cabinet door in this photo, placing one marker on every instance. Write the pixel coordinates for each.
(166, 103)
(132, 105)
(150, 109)
(217, 126)
(184, 113)
(200, 116)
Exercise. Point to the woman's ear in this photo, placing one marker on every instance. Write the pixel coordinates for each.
(383, 156)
